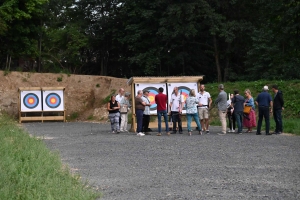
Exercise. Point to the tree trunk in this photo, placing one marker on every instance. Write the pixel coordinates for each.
(227, 62)
(217, 57)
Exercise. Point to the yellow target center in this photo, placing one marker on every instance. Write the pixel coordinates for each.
(31, 101)
(53, 100)
(151, 98)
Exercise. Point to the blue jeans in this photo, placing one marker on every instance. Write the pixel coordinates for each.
(139, 120)
(239, 120)
(278, 120)
(159, 114)
(263, 112)
(189, 120)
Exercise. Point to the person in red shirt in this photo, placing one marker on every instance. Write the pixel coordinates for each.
(161, 101)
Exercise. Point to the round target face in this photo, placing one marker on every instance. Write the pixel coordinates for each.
(152, 92)
(31, 100)
(184, 91)
(53, 100)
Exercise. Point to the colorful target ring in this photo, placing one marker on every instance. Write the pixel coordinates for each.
(31, 100)
(184, 91)
(152, 92)
(53, 100)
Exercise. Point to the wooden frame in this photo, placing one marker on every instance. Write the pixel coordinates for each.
(40, 114)
(164, 79)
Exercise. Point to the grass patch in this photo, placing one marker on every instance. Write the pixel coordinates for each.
(73, 116)
(107, 98)
(28, 170)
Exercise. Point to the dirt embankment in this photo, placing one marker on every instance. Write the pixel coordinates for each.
(83, 94)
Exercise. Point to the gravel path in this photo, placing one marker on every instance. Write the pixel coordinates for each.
(126, 166)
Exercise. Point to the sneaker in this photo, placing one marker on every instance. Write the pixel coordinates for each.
(122, 131)
(200, 132)
(113, 132)
(168, 133)
(125, 130)
(140, 134)
(118, 131)
(230, 131)
(239, 133)
(190, 133)
(221, 133)
(207, 131)
(158, 134)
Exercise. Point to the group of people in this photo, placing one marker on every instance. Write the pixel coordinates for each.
(197, 106)
(234, 109)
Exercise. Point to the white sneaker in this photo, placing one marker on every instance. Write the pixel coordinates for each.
(140, 134)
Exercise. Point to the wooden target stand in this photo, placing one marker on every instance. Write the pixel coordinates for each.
(39, 114)
(164, 79)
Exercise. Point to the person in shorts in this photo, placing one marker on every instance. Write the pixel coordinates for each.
(205, 101)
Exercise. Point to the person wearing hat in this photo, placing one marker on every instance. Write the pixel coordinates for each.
(125, 105)
(265, 104)
(146, 114)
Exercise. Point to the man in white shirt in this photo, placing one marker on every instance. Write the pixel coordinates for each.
(146, 114)
(119, 98)
(176, 110)
(205, 102)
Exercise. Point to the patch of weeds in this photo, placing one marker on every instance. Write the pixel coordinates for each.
(102, 118)
(98, 85)
(74, 116)
(91, 117)
(59, 79)
(24, 79)
(107, 98)
(6, 72)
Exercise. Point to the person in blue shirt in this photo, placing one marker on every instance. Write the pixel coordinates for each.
(265, 104)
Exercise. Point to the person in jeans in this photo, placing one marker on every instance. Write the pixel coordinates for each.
(139, 110)
(264, 103)
(238, 104)
(277, 109)
(113, 107)
(191, 111)
(146, 114)
(161, 101)
(221, 101)
(176, 110)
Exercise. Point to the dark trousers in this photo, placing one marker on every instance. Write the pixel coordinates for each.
(146, 120)
(278, 120)
(176, 118)
(263, 112)
(239, 120)
(139, 120)
(231, 120)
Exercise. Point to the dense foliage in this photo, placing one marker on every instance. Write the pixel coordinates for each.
(226, 40)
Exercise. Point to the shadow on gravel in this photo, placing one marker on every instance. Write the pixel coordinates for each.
(125, 166)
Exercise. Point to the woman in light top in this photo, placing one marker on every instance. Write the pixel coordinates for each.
(125, 105)
(191, 111)
(250, 119)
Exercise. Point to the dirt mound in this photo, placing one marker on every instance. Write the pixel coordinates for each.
(84, 95)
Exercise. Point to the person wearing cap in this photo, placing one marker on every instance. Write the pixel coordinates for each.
(221, 101)
(176, 110)
(146, 114)
(161, 100)
(113, 107)
(277, 109)
(124, 115)
(265, 104)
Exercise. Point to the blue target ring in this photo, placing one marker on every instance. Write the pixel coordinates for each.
(31, 100)
(53, 100)
(152, 92)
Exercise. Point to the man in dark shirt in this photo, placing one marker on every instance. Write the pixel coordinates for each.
(277, 109)
(264, 103)
(238, 104)
(139, 110)
(161, 101)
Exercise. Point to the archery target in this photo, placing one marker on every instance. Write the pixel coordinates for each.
(183, 89)
(153, 90)
(30, 101)
(53, 100)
